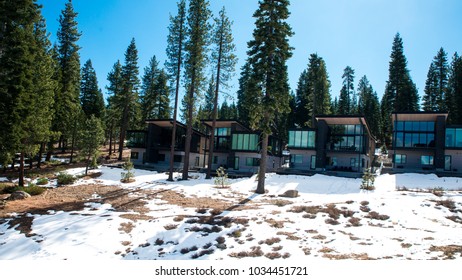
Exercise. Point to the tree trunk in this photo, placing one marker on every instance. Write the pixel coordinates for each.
(21, 170)
(215, 109)
(263, 160)
(187, 148)
(110, 139)
(123, 129)
(49, 150)
(39, 161)
(88, 163)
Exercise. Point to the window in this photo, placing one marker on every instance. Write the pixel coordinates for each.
(447, 163)
(134, 155)
(236, 163)
(454, 137)
(296, 158)
(252, 161)
(215, 159)
(301, 139)
(245, 142)
(426, 160)
(196, 162)
(161, 157)
(400, 159)
(313, 162)
(223, 131)
(353, 162)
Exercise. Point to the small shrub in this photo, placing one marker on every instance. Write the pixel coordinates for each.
(201, 210)
(220, 240)
(236, 233)
(215, 212)
(332, 222)
(65, 179)
(184, 251)
(128, 176)
(206, 246)
(439, 191)
(222, 178)
(159, 242)
(367, 183)
(273, 255)
(276, 248)
(448, 203)
(33, 189)
(355, 221)
(270, 241)
(42, 181)
(170, 226)
(178, 218)
(376, 216)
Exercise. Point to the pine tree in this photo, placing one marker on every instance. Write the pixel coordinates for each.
(436, 85)
(348, 101)
(319, 99)
(429, 102)
(242, 95)
(207, 106)
(454, 96)
(268, 53)
(26, 85)
(68, 103)
(369, 106)
(127, 100)
(113, 115)
(91, 96)
(154, 93)
(175, 41)
(301, 100)
(224, 63)
(400, 92)
(195, 63)
(91, 138)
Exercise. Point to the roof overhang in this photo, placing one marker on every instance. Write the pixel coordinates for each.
(418, 116)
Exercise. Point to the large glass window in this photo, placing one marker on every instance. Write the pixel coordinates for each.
(301, 139)
(245, 142)
(136, 139)
(296, 158)
(426, 160)
(400, 159)
(454, 137)
(252, 161)
(411, 134)
(222, 131)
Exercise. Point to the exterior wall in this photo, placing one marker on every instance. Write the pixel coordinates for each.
(344, 161)
(412, 159)
(456, 160)
(222, 160)
(306, 159)
(141, 154)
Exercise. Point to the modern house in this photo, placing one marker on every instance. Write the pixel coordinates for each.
(422, 141)
(152, 147)
(237, 148)
(337, 144)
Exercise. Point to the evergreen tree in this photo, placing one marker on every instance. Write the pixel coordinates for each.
(347, 101)
(175, 41)
(195, 64)
(242, 97)
(113, 115)
(224, 62)
(369, 106)
(436, 85)
(26, 85)
(91, 138)
(400, 92)
(301, 100)
(154, 93)
(91, 96)
(207, 107)
(127, 100)
(429, 102)
(268, 85)
(454, 96)
(319, 99)
(67, 99)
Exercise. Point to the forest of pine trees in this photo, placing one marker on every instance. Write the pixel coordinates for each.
(49, 99)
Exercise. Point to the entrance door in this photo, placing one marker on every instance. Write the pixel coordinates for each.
(447, 163)
(236, 163)
(313, 162)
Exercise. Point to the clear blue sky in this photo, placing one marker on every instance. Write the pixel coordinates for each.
(356, 33)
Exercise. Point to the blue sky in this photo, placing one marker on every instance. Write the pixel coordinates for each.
(356, 33)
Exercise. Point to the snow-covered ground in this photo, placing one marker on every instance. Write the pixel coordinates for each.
(274, 227)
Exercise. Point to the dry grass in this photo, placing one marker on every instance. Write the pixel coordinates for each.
(449, 251)
(254, 252)
(376, 216)
(270, 241)
(290, 235)
(126, 227)
(171, 226)
(356, 222)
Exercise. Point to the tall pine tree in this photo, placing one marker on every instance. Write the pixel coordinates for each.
(67, 99)
(198, 28)
(91, 97)
(224, 63)
(127, 102)
(113, 114)
(175, 40)
(454, 96)
(319, 99)
(369, 105)
(347, 103)
(154, 93)
(268, 86)
(436, 85)
(400, 92)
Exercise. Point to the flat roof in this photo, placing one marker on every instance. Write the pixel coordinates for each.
(169, 123)
(342, 119)
(417, 116)
(224, 123)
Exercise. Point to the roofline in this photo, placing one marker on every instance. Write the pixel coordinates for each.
(148, 121)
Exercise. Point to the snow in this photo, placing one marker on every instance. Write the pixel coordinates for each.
(416, 222)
